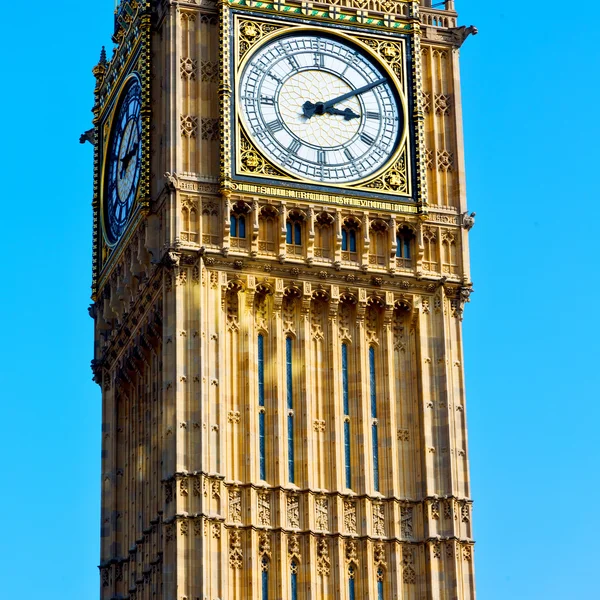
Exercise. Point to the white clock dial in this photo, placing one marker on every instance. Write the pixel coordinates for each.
(320, 108)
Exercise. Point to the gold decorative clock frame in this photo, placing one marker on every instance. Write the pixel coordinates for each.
(392, 41)
(132, 56)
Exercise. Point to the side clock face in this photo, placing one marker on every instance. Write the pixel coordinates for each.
(124, 161)
(320, 108)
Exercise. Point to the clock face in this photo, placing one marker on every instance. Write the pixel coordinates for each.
(320, 108)
(124, 161)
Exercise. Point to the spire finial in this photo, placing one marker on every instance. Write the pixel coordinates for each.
(103, 56)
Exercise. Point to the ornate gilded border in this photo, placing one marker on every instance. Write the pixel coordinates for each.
(243, 162)
(132, 55)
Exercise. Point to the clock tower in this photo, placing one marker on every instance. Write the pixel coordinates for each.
(279, 275)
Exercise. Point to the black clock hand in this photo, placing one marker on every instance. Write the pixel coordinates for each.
(320, 108)
(347, 113)
(127, 158)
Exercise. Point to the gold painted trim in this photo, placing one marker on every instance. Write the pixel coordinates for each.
(110, 120)
(399, 162)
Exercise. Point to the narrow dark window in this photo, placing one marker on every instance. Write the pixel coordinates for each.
(290, 406)
(265, 578)
(347, 454)
(352, 235)
(351, 583)
(294, 579)
(379, 584)
(261, 407)
(373, 382)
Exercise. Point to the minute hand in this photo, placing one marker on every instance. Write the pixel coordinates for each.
(360, 90)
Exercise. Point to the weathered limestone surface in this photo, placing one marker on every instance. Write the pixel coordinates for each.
(211, 346)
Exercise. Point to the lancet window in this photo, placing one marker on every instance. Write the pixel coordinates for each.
(350, 239)
(237, 230)
(261, 407)
(264, 564)
(346, 403)
(449, 255)
(323, 236)
(289, 378)
(211, 230)
(189, 220)
(405, 240)
(379, 584)
(374, 423)
(379, 247)
(294, 579)
(268, 230)
(294, 234)
(430, 259)
(351, 582)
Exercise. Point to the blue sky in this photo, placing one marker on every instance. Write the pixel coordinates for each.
(530, 93)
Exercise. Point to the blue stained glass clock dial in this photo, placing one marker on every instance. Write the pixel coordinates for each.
(124, 161)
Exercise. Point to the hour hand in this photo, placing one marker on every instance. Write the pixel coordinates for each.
(320, 108)
(126, 160)
(347, 113)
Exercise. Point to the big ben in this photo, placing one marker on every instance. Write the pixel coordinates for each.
(279, 275)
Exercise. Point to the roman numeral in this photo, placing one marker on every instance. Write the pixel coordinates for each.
(373, 115)
(321, 157)
(267, 100)
(367, 139)
(319, 60)
(348, 154)
(293, 62)
(294, 146)
(275, 126)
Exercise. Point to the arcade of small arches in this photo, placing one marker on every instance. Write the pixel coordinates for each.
(354, 240)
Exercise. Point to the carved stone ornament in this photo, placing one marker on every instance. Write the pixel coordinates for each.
(435, 509)
(379, 556)
(378, 520)
(406, 521)
(183, 487)
(323, 560)
(235, 506)
(293, 512)
(351, 552)
(349, 516)
(321, 514)
(294, 548)
(236, 555)
(252, 161)
(264, 544)
(264, 508)
(251, 32)
(408, 564)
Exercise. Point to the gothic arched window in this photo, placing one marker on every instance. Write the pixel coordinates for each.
(261, 407)
(379, 247)
(350, 239)
(374, 422)
(346, 403)
(264, 565)
(351, 582)
(267, 230)
(294, 579)
(289, 386)
(294, 234)
(323, 236)
(211, 230)
(405, 239)
(449, 255)
(430, 258)
(189, 220)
